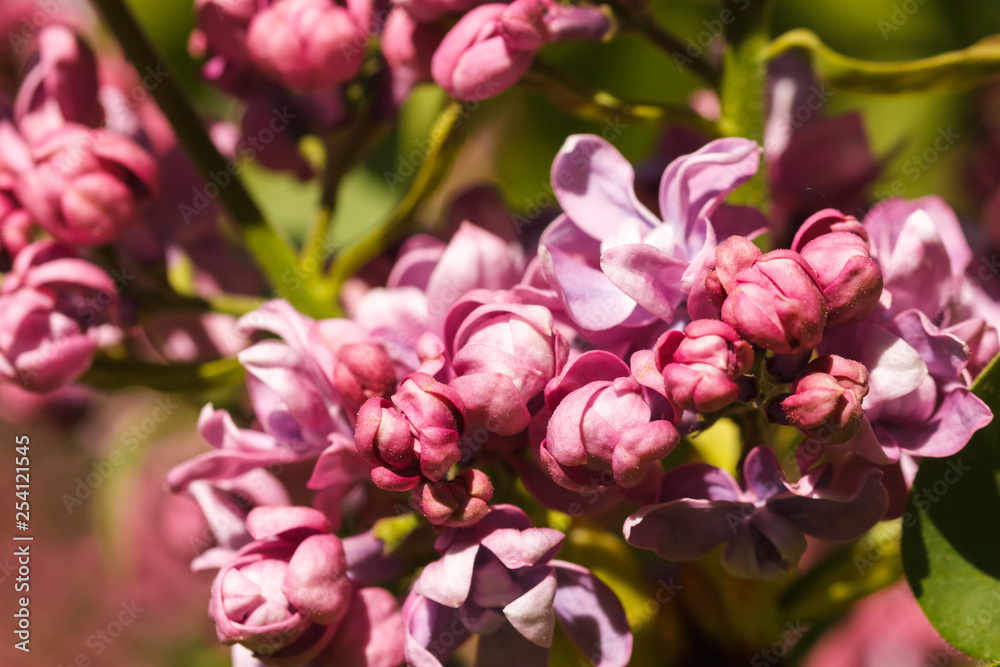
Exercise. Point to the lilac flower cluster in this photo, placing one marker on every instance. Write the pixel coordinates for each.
(304, 53)
(72, 166)
(582, 367)
(488, 388)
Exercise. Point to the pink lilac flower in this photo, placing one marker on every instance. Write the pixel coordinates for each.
(498, 580)
(611, 261)
(493, 45)
(427, 280)
(61, 87)
(826, 399)
(408, 46)
(502, 353)
(887, 627)
(287, 596)
(15, 159)
(413, 435)
(602, 430)
(310, 44)
(701, 366)
(771, 299)
(763, 523)
(87, 186)
(836, 247)
(57, 309)
(455, 503)
(919, 403)
(814, 160)
(301, 415)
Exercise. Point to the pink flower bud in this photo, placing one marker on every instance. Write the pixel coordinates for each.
(457, 503)
(384, 440)
(363, 371)
(826, 399)
(492, 46)
(836, 247)
(700, 364)
(55, 311)
(601, 434)
(310, 44)
(87, 185)
(774, 302)
(412, 435)
(284, 595)
(503, 354)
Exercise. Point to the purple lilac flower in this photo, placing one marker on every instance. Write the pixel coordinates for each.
(763, 523)
(498, 580)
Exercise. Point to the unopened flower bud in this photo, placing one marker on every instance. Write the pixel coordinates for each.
(363, 371)
(836, 247)
(87, 185)
(826, 399)
(602, 433)
(457, 503)
(310, 44)
(775, 302)
(492, 46)
(700, 365)
(288, 591)
(413, 435)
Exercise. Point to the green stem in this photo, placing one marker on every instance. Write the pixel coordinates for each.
(341, 156)
(951, 71)
(602, 107)
(744, 88)
(443, 147)
(106, 373)
(641, 20)
(273, 255)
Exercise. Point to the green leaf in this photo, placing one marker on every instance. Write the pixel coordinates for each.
(393, 531)
(743, 89)
(951, 71)
(951, 536)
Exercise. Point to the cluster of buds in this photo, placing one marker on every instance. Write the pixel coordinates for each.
(313, 47)
(581, 371)
(65, 166)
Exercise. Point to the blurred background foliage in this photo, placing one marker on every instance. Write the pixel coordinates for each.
(514, 137)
